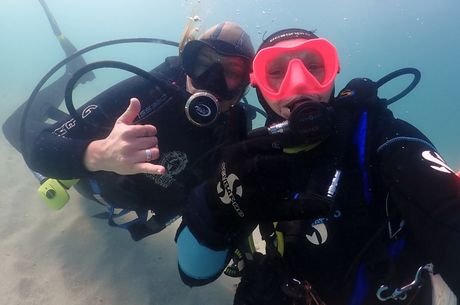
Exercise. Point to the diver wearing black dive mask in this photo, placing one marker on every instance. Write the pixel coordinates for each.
(151, 133)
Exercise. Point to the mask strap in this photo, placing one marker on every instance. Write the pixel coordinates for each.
(217, 32)
(238, 43)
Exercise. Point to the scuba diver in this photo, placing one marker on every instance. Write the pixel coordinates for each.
(49, 98)
(139, 146)
(355, 206)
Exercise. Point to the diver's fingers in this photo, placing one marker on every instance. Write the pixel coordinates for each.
(145, 142)
(141, 131)
(131, 112)
(149, 168)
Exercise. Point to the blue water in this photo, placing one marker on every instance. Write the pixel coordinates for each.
(373, 37)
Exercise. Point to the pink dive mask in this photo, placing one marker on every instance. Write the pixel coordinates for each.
(309, 67)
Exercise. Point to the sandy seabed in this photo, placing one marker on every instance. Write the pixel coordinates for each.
(70, 257)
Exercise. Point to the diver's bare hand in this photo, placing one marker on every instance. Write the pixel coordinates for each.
(128, 149)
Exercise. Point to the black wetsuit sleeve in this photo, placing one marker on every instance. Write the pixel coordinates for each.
(58, 151)
(427, 192)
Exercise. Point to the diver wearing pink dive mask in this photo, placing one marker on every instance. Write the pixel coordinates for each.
(292, 65)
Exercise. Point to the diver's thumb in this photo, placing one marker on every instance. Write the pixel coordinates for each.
(131, 112)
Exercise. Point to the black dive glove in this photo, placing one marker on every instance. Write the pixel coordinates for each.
(223, 209)
(250, 185)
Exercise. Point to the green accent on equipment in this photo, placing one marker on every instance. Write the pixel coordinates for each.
(53, 191)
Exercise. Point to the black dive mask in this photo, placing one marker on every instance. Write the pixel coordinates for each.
(213, 80)
(206, 68)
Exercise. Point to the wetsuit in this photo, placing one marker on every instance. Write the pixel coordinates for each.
(396, 208)
(186, 150)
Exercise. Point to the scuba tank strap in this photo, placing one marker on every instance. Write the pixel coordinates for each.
(139, 224)
(97, 193)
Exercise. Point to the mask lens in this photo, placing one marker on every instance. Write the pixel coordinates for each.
(205, 59)
(307, 62)
(226, 76)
